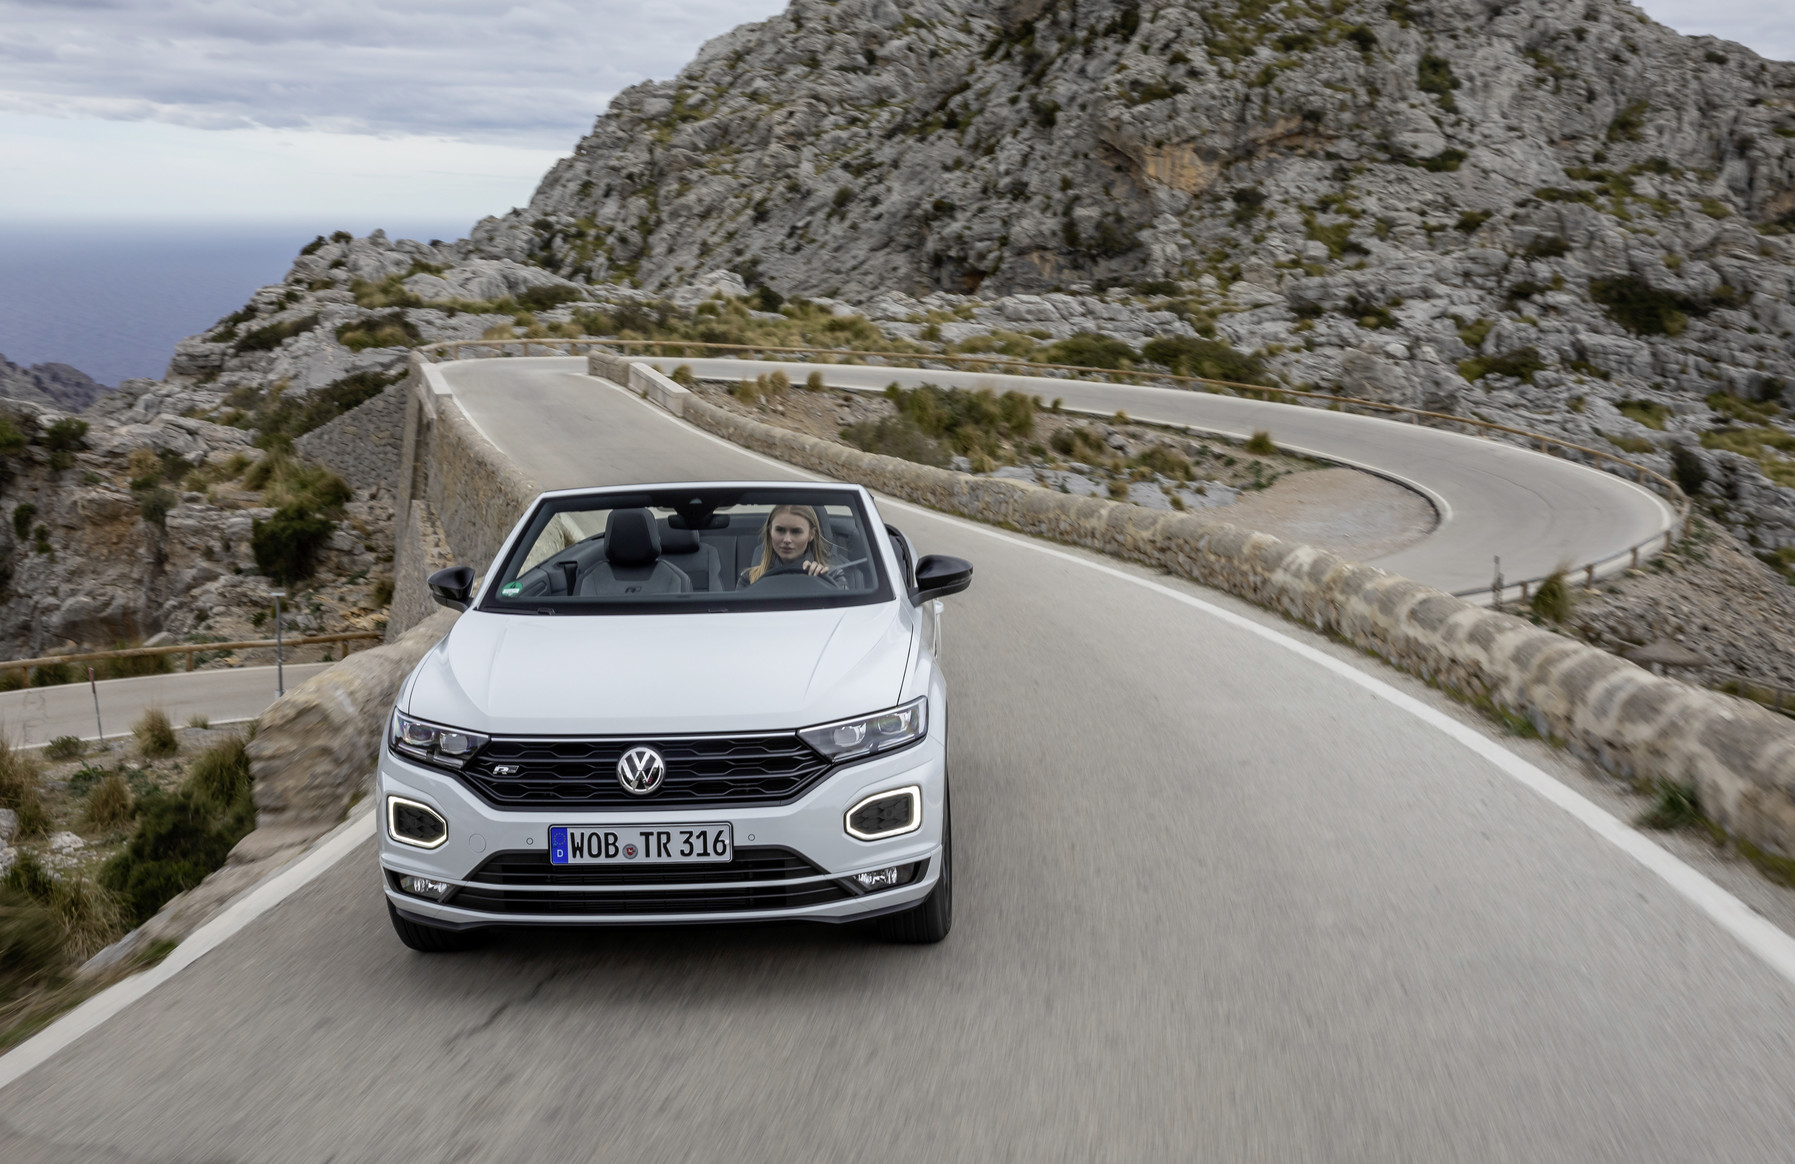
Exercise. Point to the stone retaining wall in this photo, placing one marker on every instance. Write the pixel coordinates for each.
(1739, 757)
(362, 445)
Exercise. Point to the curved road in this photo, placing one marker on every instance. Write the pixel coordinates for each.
(1538, 512)
(1221, 897)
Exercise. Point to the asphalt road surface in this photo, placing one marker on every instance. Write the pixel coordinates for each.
(1538, 513)
(1215, 901)
(37, 715)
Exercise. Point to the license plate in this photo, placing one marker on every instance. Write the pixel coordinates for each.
(655, 845)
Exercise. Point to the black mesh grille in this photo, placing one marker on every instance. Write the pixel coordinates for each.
(582, 773)
(513, 883)
(883, 815)
(418, 824)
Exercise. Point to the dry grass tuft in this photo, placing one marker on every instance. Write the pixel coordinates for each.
(155, 735)
(21, 789)
(110, 804)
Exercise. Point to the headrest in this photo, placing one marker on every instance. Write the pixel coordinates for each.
(677, 541)
(631, 538)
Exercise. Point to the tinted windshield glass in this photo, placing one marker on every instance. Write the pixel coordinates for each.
(692, 549)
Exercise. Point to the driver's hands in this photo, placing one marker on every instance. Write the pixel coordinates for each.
(813, 568)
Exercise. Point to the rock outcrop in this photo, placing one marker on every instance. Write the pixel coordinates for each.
(51, 385)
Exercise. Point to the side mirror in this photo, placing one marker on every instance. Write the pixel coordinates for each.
(454, 587)
(938, 575)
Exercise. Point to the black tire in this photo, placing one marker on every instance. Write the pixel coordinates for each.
(429, 939)
(929, 920)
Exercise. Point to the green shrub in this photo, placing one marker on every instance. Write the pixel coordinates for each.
(1629, 444)
(1552, 599)
(22, 515)
(286, 545)
(897, 436)
(389, 292)
(64, 439)
(221, 773)
(1639, 308)
(1674, 807)
(132, 666)
(65, 748)
(266, 339)
(288, 482)
(21, 789)
(383, 592)
(109, 804)
(52, 675)
(1082, 444)
(1470, 220)
(1647, 412)
(30, 938)
(1090, 349)
(1260, 443)
(1628, 122)
(1166, 462)
(1521, 363)
(279, 419)
(178, 839)
(1686, 466)
(543, 298)
(155, 735)
(11, 439)
(1210, 359)
(391, 330)
(1433, 74)
(154, 504)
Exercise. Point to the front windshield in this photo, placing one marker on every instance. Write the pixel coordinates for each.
(692, 549)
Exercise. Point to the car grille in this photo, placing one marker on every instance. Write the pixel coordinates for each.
(582, 773)
(523, 882)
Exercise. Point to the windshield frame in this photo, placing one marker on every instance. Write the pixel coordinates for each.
(681, 499)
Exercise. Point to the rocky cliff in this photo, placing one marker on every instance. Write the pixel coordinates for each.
(857, 146)
(52, 385)
(1566, 218)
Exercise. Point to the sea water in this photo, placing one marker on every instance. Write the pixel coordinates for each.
(112, 299)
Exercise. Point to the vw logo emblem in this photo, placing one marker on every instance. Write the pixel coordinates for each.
(641, 771)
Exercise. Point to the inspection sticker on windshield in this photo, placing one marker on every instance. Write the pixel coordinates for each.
(654, 845)
(511, 589)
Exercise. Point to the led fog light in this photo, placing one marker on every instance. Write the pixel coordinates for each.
(878, 879)
(425, 887)
(875, 880)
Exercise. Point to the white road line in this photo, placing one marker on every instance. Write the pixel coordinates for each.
(324, 853)
(1752, 930)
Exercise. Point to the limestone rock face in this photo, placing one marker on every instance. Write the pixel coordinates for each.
(316, 747)
(53, 385)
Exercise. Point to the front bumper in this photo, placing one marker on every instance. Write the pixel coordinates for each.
(810, 828)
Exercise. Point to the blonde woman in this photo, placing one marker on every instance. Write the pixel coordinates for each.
(791, 542)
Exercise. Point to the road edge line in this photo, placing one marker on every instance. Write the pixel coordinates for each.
(324, 853)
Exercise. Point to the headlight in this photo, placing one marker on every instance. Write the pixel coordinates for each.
(432, 743)
(864, 735)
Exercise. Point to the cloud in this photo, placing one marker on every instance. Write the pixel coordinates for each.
(531, 75)
(1764, 26)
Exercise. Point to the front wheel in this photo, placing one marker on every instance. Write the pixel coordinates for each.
(928, 921)
(429, 939)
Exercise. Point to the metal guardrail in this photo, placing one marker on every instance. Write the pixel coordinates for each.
(1499, 589)
(188, 649)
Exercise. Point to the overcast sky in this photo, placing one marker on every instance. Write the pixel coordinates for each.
(427, 110)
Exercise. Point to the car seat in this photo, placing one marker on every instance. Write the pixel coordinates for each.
(632, 563)
(699, 562)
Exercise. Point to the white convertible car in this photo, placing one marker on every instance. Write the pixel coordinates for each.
(678, 703)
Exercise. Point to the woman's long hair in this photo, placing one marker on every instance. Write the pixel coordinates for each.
(819, 545)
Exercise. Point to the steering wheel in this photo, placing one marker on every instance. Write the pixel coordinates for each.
(844, 566)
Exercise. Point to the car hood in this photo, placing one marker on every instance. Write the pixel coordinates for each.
(630, 674)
